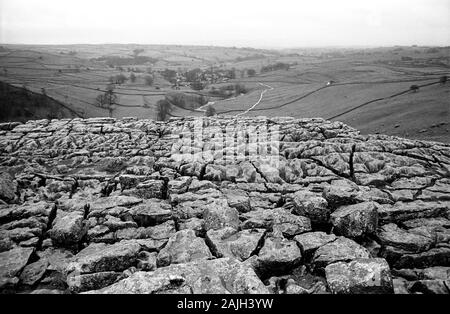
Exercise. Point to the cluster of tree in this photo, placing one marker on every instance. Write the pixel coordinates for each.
(169, 75)
(187, 101)
(113, 61)
(149, 80)
(107, 100)
(135, 70)
(239, 89)
(197, 77)
(275, 67)
(197, 85)
(229, 90)
(251, 72)
(118, 79)
(178, 100)
(231, 74)
(193, 75)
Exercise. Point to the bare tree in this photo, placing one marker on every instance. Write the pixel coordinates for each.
(146, 103)
(163, 108)
(132, 77)
(210, 111)
(118, 79)
(107, 100)
(148, 80)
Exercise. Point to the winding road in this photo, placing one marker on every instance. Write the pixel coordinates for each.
(259, 100)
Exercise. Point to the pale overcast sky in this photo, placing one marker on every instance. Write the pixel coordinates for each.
(257, 23)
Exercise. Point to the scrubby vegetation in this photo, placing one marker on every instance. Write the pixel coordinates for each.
(275, 67)
(132, 77)
(251, 72)
(148, 80)
(414, 88)
(229, 90)
(169, 75)
(118, 79)
(210, 111)
(187, 101)
(107, 100)
(163, 109)
(197, 85)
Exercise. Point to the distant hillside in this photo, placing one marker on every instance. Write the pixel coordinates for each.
(19, 104)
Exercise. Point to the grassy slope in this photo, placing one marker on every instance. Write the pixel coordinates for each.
(423, 115)
(17, 104)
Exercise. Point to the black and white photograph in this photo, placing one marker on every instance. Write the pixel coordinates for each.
(250, 150)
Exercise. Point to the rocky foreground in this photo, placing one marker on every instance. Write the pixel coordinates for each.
(106, 206)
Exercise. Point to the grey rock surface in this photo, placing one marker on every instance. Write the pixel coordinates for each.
(116, 205)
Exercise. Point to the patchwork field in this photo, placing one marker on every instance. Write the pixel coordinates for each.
(366, 88)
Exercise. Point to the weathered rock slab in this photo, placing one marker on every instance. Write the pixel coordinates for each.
(100, 257)
(311, 205)
(13, 261)
(340, 250)
(229, 242)
(356, 220)
(360, 276)
(68, 228)
(311, 241)
(220, 276)
(277, 255)
(184, 246)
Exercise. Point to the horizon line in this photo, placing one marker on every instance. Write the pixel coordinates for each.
(235, 46)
